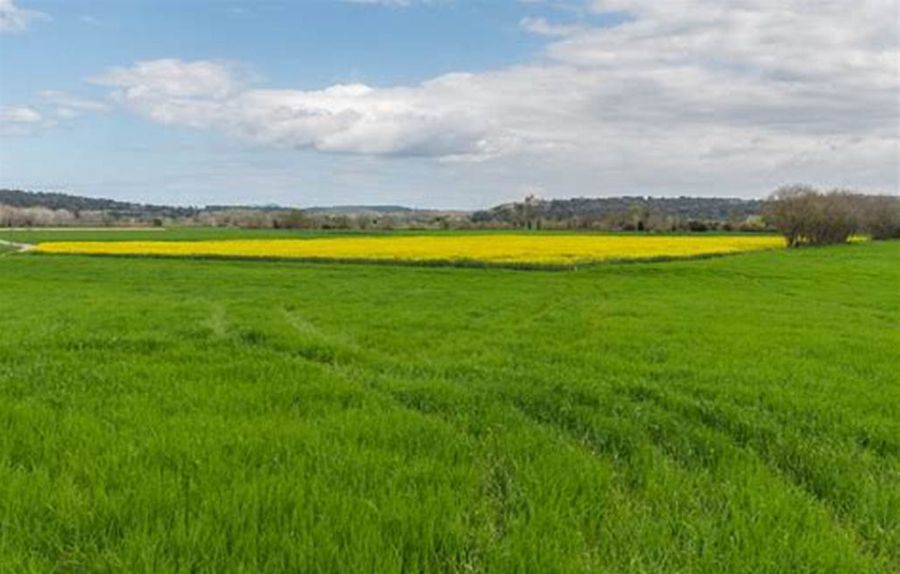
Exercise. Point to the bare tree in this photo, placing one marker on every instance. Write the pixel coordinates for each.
(881, 216)
(806, 216)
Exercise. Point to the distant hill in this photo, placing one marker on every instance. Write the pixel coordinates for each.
(19, 198)
(267, 207)
(357, 209)
(703, 208)
(53, 200)
(613, 213)
(77, 203)
(695, 208)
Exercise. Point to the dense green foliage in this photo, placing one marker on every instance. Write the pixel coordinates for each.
(738, 414)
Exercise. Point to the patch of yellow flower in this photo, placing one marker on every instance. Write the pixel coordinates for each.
(501, 249)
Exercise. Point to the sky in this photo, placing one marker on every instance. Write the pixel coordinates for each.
(446, 103)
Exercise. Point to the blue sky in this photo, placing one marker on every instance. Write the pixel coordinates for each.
(445, 103)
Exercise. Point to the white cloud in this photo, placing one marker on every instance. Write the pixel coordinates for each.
(171, 78)
(344, 118)
(69, 106)
(684, 94)
(19, 115)
(54, 109)
(20, 120)
(14, 19)
(542, 27)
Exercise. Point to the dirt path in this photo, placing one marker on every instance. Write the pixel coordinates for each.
(17, 247)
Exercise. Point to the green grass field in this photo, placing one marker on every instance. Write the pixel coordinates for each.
(736, 414)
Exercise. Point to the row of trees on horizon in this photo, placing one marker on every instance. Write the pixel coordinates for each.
(803, 214)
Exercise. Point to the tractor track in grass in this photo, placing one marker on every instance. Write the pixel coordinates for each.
(342, 358)
(708, 440)
(619, 425)
(699, 447)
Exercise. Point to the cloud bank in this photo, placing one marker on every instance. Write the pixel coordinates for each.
(790, 88)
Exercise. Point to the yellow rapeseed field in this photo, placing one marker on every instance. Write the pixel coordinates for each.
(503, 249)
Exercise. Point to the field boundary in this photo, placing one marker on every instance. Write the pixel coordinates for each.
(436, 263)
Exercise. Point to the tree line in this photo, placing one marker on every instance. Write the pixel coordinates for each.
(634, 213)
(803, 214)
